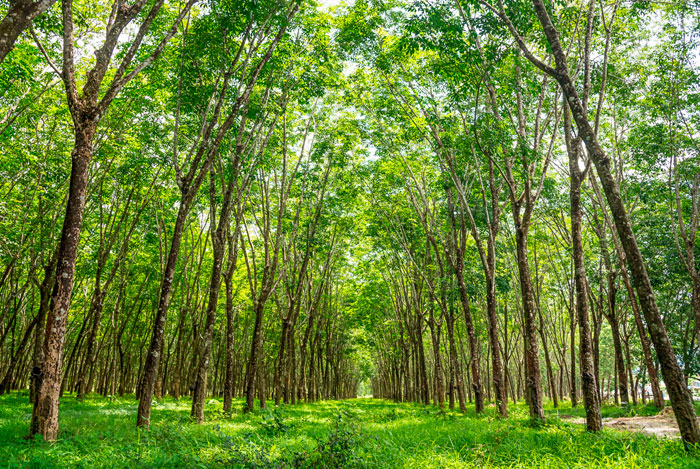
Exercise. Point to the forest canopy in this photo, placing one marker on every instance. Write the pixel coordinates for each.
(483, 206)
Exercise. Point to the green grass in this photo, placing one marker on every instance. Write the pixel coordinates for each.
(354, 433)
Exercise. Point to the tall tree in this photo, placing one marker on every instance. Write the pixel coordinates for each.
(86, 110)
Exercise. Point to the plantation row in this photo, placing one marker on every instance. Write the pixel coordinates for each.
(450, 202)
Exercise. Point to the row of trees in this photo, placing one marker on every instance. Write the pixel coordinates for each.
(453, 200)
(208, 179)
(484, 117)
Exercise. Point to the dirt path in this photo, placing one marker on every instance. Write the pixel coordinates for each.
(662, 425)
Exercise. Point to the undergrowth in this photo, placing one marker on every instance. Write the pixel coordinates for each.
(100, 432)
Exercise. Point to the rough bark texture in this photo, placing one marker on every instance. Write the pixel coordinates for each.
(45, 413)
(20, 15)
(591, 403)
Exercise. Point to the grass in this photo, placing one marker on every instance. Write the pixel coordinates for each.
(100, 432)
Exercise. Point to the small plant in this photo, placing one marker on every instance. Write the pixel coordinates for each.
(444, 415)
(388, 416)
(341, 447)
(273, 422)
(246, 452)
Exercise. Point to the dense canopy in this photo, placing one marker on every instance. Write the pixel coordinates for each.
(462, 203)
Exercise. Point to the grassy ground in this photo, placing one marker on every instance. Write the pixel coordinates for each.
(355, 433)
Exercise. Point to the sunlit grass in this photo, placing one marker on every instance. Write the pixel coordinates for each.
(100, 432)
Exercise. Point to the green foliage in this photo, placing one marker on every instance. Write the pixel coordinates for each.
(341, 447)
(273, 421)
(355, 433)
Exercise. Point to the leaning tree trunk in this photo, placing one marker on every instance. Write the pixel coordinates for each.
(150, 371)
(38, 353)
(45, 413)
(9, 378)
(681, 399)
(200, 384)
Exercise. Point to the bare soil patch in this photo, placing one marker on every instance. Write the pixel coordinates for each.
(662, 425)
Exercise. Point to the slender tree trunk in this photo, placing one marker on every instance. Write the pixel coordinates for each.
(155, 349)
(591, 401)
(532, 362)
(454, 363)
(425, 392)
(573, 392)
(438, 373)
(498, 381)
(621, 373)
(9, 378)
(96, 314)
(255, 349)
(200, 386)
(548, 364)
(230, 334)
(473, 345)
(38, 354)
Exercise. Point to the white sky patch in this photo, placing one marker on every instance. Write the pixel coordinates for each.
(326, 5)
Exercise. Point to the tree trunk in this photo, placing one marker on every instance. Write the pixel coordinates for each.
(454, 363)
(20, 15)
(155, 349)
(532, 361)
(230, 334)
(45, 293)
(591, 401)
(255, 349)
(681, 400)
(621, 373)
(200, 385)
(473, 345)
(548, 364)
(45, 413)
(497, 372)
(96, 310)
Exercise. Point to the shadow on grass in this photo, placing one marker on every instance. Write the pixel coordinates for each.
(101, 432)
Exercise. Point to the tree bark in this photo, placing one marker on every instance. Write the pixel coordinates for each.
(532, 361)
(20, 15)
(45, 413)
(591, 402)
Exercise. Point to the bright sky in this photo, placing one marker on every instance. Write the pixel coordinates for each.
(324, 5)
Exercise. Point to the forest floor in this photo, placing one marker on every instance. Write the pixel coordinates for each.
(100, 432)
(662, 424)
